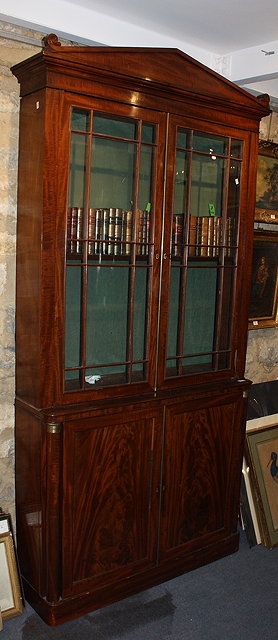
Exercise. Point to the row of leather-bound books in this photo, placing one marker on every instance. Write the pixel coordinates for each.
(206, 235)
(110, 231)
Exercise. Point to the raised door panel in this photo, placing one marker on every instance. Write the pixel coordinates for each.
(200, 477)
(110, 502)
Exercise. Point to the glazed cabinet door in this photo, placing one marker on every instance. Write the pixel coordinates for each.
(200, 484)
(203, 204)
(114, 219)
(111, 473)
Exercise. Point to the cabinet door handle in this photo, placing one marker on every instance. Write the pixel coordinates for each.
(165, 256)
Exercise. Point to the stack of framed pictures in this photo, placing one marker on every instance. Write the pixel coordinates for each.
(11, 600)
(259, 491)
(260, 478)
(264, 293)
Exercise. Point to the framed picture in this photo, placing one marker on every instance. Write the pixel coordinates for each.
(11, 603)
(262, 457)
(264, 288)
(267, 183)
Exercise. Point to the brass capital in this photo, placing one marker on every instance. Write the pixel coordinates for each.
(53, 427)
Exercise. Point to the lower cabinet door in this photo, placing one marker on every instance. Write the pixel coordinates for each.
(201, 474)
(110, 504)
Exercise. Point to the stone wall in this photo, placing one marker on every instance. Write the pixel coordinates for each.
(11, 52)
(262, 358)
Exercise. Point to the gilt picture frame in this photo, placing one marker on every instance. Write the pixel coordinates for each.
(267, 183)
(11, 600)
(264, 287)
(262, 456)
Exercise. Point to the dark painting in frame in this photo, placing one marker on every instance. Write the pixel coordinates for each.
(267, 183)
(264, 287)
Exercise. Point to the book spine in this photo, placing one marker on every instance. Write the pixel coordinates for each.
(111, 231)
(146, 232)
(198, 235)
(123, 233)
(217, 235)
(192, 235)
(118, 231)
(210, 236)
(177, 234)
(105, 231)
(79, 229)
(204, 236)
(99, 230)
(230, 232)
(139, 231)
(73, 230)
(91, 230)
(69, 214)
(128, 231)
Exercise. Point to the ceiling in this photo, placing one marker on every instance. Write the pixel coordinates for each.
(239, 38)
(221, 26)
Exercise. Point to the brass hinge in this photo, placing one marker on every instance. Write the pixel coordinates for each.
(53, 427)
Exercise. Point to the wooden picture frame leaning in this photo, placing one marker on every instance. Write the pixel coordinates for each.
(11, 601)
(261, 452)
(267, 183)
(263, 303)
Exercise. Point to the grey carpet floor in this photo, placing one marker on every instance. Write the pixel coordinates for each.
(235, 598)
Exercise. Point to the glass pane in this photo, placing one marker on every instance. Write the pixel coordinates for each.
(199, 317)
(145, 178)
(115, 126)
(181, 183)
(140, 316)
(105, 376)
(73, 319)
(227, 308)
(148, 132)
(173, 314)
(139, 373)
(112, 174)
(145, 195)
(236, 148)
(80, 119)
(207, 185)
(106, 339)
(184, 138)
(234, 189)
(200, 310)
(233, 205)
(209, 143)
(78, 159)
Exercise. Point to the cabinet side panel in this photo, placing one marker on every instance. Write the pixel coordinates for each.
(28, 498)
(30, 193)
